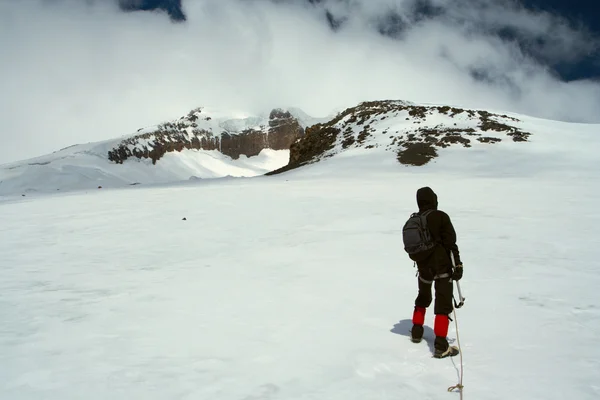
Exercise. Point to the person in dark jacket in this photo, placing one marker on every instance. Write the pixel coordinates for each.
(437, 270)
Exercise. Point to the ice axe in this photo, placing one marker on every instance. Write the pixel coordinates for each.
(461, 299)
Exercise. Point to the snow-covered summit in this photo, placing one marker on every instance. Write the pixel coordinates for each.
(413, 133)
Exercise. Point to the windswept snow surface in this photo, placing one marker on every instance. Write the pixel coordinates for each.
(296, 286)
(85, 167)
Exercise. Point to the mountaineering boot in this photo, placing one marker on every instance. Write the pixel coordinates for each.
(440, 327)
(416, 334)
(451, 351)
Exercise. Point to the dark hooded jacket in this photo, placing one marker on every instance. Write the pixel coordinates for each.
(443, 234)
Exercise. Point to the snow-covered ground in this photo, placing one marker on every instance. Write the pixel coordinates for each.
(296, 286)
(86, 167)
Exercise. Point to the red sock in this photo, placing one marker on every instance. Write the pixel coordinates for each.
(440, 325)
(419, 316)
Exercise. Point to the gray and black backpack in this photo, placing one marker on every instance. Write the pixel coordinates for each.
(418, 242)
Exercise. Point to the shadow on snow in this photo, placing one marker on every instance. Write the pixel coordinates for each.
(403, 328)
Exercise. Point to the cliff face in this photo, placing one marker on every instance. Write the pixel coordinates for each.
(283, 129)
(413, 132)
(198, 130)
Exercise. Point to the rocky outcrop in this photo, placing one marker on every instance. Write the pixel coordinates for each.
(249, 142)
(284, 129)
(317, 140)
(413, 132)
(165, 140)
(199, 131)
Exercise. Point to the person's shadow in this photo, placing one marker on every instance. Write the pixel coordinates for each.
(403, 328)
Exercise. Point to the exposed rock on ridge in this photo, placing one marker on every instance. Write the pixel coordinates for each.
(199, 131)
(414, 132)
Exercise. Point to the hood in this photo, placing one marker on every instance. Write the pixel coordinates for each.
(426, 199)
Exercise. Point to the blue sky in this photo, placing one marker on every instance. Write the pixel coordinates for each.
(75, 71)
(586, 12)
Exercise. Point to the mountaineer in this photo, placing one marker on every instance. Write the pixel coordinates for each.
(430, 241)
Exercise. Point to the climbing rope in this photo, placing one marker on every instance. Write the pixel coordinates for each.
(459, 386)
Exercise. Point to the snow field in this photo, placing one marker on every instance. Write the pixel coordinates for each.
(296, 287)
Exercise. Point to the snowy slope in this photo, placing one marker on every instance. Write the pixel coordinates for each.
(85, 167)
(412, 133)
(296, 287)
(128, 160)
(524, 147)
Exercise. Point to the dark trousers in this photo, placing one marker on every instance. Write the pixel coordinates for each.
(443, 295)
(442, 308)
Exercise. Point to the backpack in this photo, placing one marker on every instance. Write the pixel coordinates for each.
(418, 242)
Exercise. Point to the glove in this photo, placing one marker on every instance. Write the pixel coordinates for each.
(458, 272)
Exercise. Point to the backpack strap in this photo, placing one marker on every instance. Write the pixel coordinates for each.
(425, 214)
(423, 217)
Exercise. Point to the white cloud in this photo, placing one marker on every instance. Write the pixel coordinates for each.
(74, 72)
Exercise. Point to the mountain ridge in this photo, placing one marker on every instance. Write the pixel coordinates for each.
(208, 143)
(438, 127)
